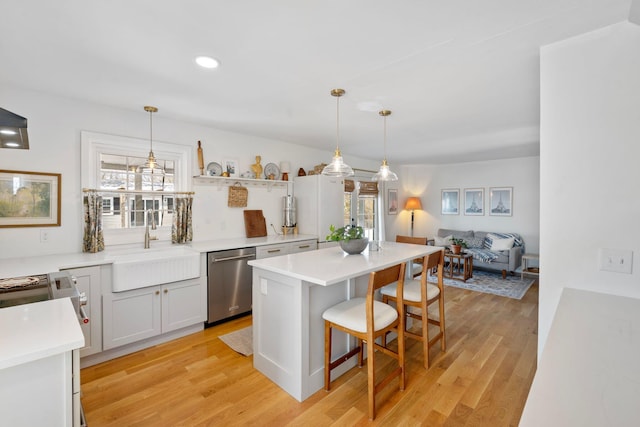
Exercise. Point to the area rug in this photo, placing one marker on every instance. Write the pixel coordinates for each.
(240, 341)
(492, 283)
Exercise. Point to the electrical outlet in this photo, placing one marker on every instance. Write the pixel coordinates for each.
(616, 260)
(44, 236)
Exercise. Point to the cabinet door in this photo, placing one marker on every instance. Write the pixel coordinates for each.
(269, 251)
(131, 316)
(303, 246)
(182, 304)
(88, 282)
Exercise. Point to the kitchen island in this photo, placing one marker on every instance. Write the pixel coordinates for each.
(36, 366)
(291, 292)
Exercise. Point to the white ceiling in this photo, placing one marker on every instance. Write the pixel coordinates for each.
(461, 77)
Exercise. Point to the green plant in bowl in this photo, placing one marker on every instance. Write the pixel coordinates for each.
(350, 237)
(348, 232)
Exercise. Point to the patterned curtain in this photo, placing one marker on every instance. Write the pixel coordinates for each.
(181, 230)
(93, 239)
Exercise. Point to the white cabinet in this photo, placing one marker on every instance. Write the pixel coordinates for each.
(181, 305)
(88, 282)
(144, 313)
(277, 249)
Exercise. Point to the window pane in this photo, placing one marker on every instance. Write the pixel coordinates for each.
(118, 172)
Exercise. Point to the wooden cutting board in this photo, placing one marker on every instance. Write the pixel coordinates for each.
(254, 223)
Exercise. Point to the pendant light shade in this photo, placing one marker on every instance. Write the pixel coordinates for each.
(384, 173)
(337, 167)
(151, 165)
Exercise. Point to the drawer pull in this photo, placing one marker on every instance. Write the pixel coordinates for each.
(272, 251)
(303, 247)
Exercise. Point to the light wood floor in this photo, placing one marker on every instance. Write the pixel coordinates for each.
(482, 380)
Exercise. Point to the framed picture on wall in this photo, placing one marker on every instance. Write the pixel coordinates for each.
(474, 201)
(30, 199)
(392, 199)
(450, 201)
(501, 203)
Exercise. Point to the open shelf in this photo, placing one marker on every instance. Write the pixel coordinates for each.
(221, 181)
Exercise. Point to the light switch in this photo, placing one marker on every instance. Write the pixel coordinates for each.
(616, 260)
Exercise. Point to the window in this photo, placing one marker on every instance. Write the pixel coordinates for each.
(115, 166)
(361, 206)
(123, 172)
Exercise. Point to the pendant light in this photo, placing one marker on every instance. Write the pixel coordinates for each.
(385, 174)
(151, 165)
(337, 167)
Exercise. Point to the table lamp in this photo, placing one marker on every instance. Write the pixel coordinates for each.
(412, 204)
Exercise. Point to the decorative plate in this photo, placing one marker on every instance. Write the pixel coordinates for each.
(271, 169)
(214, 169)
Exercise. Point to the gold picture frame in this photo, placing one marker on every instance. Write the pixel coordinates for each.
(30, 199)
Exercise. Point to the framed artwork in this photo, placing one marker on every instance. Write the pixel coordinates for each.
(450, 201)
(474, 201)
(392, 197)
(501, 201)
(231, 166)
(29, 199)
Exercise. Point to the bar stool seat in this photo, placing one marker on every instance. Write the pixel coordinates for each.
(368, 320)
(352, 314)
(420, 294)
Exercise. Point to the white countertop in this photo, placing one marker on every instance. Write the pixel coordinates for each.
(332, 265)
(43, 264)
(224, 244)
(34, 331)
(589, 373)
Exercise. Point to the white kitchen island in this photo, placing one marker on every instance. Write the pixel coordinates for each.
(291, 292)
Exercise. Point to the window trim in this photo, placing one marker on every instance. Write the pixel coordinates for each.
(92, 144)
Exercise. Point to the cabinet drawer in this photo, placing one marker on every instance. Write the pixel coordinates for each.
(271, 250)
(303, 246)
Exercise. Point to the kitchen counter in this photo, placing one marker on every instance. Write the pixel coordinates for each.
(35, 331)
(43, 264)
(291, 292)
(239, 242)
(588, 373)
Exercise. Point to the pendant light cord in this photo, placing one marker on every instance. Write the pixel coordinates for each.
(385, 139)
(151, 131)
(337, 123)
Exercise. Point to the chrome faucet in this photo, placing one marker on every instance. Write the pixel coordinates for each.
(147, 237)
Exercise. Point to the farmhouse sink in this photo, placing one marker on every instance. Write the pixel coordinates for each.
(135, 268)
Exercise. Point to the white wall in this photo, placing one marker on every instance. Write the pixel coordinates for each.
(426, 182)
(590, 149)
(54, 135)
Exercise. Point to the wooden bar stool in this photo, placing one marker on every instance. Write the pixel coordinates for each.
(421, 294)
(368, 319)
(416, 264)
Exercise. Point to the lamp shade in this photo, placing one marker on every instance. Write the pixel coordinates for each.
(285, 167)
(413, 203)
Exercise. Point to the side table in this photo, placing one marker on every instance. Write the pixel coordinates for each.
(535, 271)
(460, 266)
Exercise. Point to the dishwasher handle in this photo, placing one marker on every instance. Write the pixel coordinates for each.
(231, 258)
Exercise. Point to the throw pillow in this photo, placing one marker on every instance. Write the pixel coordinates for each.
(475, 242)
(442, 241)
(502, 244)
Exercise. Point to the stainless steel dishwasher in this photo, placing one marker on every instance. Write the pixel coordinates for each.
(229, 287)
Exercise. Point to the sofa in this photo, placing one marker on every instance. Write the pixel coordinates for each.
(492, 251)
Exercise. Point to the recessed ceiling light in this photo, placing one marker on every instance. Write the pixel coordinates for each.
(8, 132)
(11, 144)
(207, 62)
